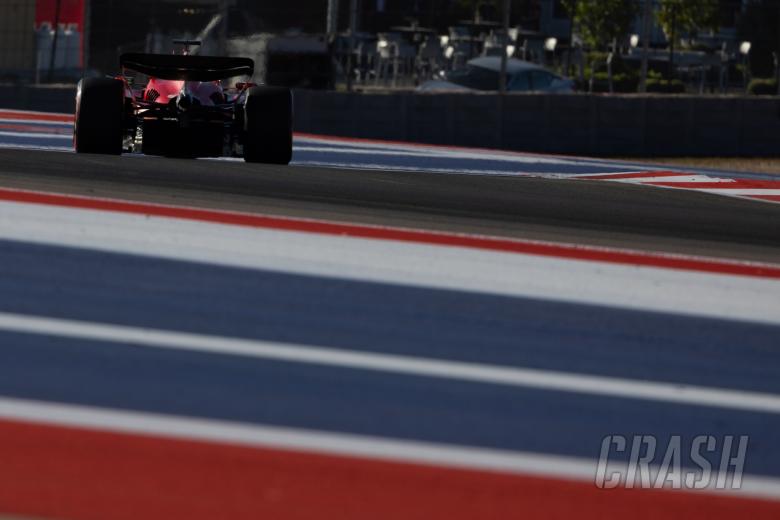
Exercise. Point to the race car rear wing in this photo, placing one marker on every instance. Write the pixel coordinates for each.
(187, 67)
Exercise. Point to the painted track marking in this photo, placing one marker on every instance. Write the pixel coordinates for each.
(340, 444)
(425, 367)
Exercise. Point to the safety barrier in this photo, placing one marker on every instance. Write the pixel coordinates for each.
(618, 125)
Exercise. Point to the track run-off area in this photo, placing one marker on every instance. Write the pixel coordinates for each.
(380, 330)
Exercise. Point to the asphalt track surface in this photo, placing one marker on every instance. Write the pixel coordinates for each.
(529, 207)
(147, 349)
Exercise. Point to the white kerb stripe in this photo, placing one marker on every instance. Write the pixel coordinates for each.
(35, 122)
(335, 444)
(682, 178)
(5, 146)
(42, 135)
(743, 191)
(414, 366)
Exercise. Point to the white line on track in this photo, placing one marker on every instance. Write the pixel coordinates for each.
(335, 444)
(38, 135)
(363, 151)
(36, 122)
(36, 147)
(678, 178)
(405, 365)
(396, 168)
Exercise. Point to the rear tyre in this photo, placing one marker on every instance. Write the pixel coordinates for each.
(98, 127)
(268, 118)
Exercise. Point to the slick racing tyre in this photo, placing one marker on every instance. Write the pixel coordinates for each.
(268, 125)
(98, 127)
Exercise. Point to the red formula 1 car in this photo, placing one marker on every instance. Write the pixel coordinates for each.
(184, 111)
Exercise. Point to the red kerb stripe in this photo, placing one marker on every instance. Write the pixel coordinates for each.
(48, 130)
(58, 472)
(406, 235)
(27, 116)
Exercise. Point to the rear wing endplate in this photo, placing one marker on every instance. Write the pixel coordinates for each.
(187, 67)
